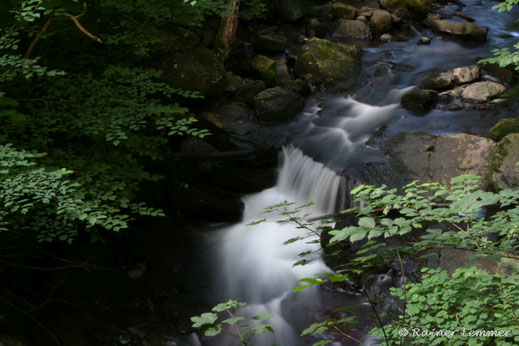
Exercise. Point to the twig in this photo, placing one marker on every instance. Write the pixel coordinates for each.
(346, 335)
(37, 38)
(34, 319)
(75, 19)
(376, 313)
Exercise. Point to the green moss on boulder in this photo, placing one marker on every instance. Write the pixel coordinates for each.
(504, 127)
(199, 69)
(276, 105)
(264, 68)
(334, 66)
(503, 172)
(417, 8)
(271, 43)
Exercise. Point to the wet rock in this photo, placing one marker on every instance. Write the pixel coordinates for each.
(290, 10)
(416, 8)
(381, 22)
(340, 10)
(334, 66)
(419, 100)
(503, 172)
(482, 91)
(199, 69)
(461, 29)
(315, 28)
(465, 74)
(231, 118)
(264, 68)
(276, 105)
(345, 28)
(281, 68)
(271, 43)
(386, 38)
(455, 76)
(430, 158)
(504, 127)
(298, 86)
(425, 40)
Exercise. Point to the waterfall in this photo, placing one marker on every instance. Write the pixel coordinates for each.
(251, 263)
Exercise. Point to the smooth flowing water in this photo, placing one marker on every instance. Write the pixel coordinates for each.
(251, 264)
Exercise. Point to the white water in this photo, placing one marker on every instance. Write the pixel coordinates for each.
(252, 264)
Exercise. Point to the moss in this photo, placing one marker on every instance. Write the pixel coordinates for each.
(503, 173)
(264, 68)
(333, 65)
(504, 127)
(417, 7)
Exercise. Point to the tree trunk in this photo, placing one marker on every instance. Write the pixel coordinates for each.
(227, 31)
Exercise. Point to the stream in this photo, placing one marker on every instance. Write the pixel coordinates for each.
(251, 264)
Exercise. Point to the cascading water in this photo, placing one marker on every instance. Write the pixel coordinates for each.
(252, 264)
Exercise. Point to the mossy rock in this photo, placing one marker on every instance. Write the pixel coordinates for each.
(340, 10)
(503, 171)
(271, 43)
(334, 66)
(419, 101)
(504, 127)
(199, 69)
(276, 105)
(264, 68)
(417, 8)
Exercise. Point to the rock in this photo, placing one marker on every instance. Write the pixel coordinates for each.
(276, 105)
(366, 11)
(271, 43)
(465, 74)
(381, 22)
(461, 29)
(438, 81)
(196, 145)
(502, 74)
(340, 10)
(504, 127)
(430, 158)
(298, 86)
(386, 38)
(503, 172)
(362, 18)
(232, 118)
(281, 68)
(323, 12)
(264, 68)
(315, 28)
(416, 8)
(455, 76)
(334, 66)
(482, 91)
(345, 28)
(425, 40)
(419, 100)
(240, 89)
(290, 10)
(198, 69)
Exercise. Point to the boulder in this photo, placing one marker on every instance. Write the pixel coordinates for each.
(315, 28)
(323, 12)
(416, 8)
(419, 100)
(450, 78)
(290, 10)
(503, 171)
(199, 69)
(381, 22)
(334, 66)
(461, 29)
(264, 68)
(482, 91)
(504, 127)
(271, 43)
(232, 118)
(340, 10)
(385, 38)
(502, 74)
(174, 40)
(298, 86)
(276, 105)
(345, 28)
(430, 158)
